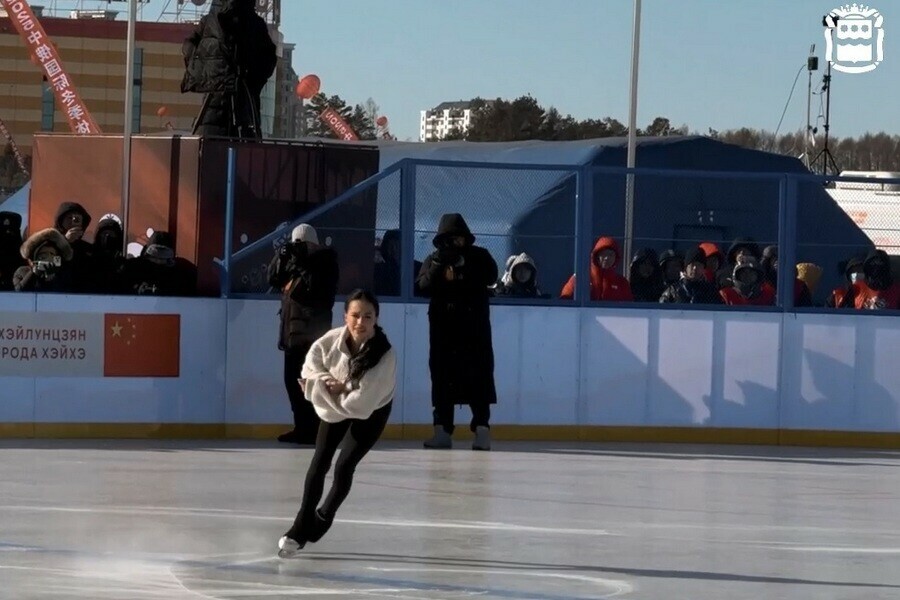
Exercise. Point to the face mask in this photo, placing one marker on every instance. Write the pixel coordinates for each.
(746, 289)
(522, 274)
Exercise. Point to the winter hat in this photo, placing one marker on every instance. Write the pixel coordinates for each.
(452, 225)
(695, 255)
(160, 247)
(810, 274)
(670, 255)
(108, 220)
(305, 233)
(10, 221)
(41, 239)
(67, 207)
(746, 244)
(747, 263)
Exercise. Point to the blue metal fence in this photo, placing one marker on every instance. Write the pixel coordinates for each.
(556, 212)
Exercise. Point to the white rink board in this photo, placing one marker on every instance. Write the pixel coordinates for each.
(554, 366)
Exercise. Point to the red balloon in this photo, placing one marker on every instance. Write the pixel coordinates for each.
(162, 111)
(381, 121)
(308, 87)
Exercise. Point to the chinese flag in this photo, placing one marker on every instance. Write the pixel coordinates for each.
(141, 345)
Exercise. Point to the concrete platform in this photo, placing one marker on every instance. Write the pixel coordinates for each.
(171, 521)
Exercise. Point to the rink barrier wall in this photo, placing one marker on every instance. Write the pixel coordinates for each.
(563, 374)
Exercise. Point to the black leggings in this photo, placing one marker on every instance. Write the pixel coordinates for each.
(363, 433)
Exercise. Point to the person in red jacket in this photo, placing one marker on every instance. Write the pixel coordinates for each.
(748, 288)
(879, 291)
(715, 260)
(606, 284)
(853, 271)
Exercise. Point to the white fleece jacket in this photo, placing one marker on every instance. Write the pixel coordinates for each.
(329, 356)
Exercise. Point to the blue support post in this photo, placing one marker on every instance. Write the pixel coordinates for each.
(584, 225)
(225, 282)
(788, 193)
(407, 229)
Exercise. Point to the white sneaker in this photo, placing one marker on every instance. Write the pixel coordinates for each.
(288, 548)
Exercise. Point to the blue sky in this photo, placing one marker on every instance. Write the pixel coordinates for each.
(704, 63)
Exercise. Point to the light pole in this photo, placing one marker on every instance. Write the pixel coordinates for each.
(632, 135)
(129, 119)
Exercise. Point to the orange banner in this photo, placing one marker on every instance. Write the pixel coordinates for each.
(44, 53)
(338, 125)
(141, 345)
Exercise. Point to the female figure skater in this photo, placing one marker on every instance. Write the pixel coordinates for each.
(349, 376)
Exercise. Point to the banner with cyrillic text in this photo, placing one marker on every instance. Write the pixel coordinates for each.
(89, 345)
(44, 54)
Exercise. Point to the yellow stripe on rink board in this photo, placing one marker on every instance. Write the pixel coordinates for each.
(418, 432)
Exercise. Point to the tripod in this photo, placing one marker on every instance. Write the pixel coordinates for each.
(825, 154)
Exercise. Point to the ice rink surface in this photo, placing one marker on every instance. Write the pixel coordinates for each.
(171, 521)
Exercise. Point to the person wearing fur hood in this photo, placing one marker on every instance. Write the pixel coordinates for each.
(49, 257)
(520, 278)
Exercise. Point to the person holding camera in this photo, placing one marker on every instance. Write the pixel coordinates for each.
(457, 278)
(10, 245)
(72, 221)
(49, 257)
(307, 275)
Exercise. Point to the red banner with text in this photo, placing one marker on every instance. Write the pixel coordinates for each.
(338, 125)
(44, 54)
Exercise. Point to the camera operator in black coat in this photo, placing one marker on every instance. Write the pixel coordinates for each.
(307, 276)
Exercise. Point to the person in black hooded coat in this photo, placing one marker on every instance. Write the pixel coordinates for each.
(108, 259)
(741, 248)
(387, 272)
(72, 220)
(693, 287)
(645, 276)
(457, 278)
(10, 242)
(229, 57)
(159, 272)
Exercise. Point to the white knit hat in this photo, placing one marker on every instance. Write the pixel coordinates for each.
(305, 233)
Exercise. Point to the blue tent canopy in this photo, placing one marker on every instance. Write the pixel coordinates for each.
(534, 211)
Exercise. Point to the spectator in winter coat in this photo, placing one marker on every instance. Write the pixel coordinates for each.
(810, 274)
(457, 278)
(520, 278)
(72, 220)
(49, 257)
(694, 287)
(159, 272)
(109, 262)
(606, 284)
(307, 275)
(645, 276)
(854, 273)
(229, 57)
(387, 272)
(671, 265)
(741, 249)
(879, 291)
(10, 246)
(769, 265)
(747, 288)
(715, 260)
